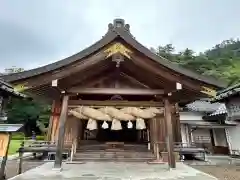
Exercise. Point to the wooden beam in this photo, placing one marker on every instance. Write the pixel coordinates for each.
(113, 91)
(61, 132)
(169, 128)
(133, 80)
(74, 103)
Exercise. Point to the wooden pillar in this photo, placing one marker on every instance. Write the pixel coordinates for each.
(177, 124)
(50, 126)
(161, 128)
(61, 132)
(80, 133)
(155, 136)
(54, 120)
(5, 138)
(151, 134)
(169, 135)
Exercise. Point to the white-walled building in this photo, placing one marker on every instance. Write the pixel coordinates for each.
(231, 98)
(205, 124)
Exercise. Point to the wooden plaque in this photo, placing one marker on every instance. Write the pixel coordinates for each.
(4, 139)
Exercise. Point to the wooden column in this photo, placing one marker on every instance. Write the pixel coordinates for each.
(152, 134)
(61, 132)
(53, 127)
(80, 133)
(50, 126)
(155, 136)
(169, 135)
(177, 125)
(161, 128)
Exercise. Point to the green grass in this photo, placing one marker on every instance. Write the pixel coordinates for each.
(14, 146)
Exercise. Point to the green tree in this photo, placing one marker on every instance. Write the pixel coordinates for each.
(26, 111)
(221, 61)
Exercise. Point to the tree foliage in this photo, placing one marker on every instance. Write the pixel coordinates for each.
(29, 113)
(222, 61)
(34, 115)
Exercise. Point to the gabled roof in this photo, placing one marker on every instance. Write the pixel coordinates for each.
(117, 30)
(203, 105)
(228, 92)
(9, 89)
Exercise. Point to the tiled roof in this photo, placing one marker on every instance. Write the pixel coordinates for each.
(203, 106)
(8, 88)
(230, 91)
(221, 110)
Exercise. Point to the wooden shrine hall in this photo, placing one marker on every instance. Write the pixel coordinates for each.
(116, 90)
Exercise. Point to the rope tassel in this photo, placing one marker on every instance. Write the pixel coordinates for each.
(116, 125)
(140, 124)
(92, 124)
(130, 125)
(105, 125)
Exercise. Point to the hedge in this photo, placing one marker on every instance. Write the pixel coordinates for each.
(21, 136)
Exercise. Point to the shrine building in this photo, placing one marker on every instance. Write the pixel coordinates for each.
(115, 95)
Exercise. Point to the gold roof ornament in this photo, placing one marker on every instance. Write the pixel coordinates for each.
(118, 48)
(208, 91)
(20, 87)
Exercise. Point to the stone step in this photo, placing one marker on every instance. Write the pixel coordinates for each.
(113, 159)
(101, 147)
(111, 156)
(110, 150)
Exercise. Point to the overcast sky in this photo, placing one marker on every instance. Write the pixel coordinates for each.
(37, 32)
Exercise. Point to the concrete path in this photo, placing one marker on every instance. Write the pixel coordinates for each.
(113, 171)
(16, 156)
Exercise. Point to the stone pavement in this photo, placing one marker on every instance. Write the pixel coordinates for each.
(113, 171)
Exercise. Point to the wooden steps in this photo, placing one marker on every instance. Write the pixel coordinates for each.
(129, 153)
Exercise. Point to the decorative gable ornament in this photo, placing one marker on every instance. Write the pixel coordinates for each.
(20, 87)
(208, 91)
(118, 48)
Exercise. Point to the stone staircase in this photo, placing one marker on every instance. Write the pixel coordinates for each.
(100, 152)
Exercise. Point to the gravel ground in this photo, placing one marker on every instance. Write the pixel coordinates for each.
(12, 166)
(222, 172)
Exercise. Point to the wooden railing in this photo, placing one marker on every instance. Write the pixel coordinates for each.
(41, 147)
(188, 148)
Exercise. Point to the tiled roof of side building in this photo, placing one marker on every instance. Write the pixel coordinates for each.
(8, 88)
(230, 91)
(203, 105)
(115, 31)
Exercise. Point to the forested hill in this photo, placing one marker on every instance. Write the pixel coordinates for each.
(222, 61)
